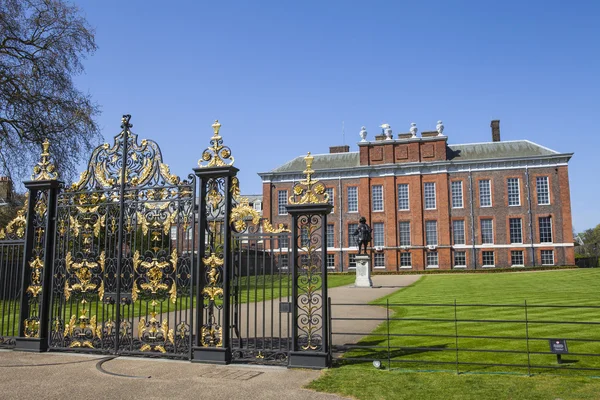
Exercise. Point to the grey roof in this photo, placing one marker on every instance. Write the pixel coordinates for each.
(456, 153)
(253, 197)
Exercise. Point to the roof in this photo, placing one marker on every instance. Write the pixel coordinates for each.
(456, 153)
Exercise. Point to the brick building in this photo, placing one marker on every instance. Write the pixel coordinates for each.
(435, 205)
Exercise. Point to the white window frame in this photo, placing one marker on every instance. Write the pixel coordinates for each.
(352, 200)
(400, 224)
(331, 192)
(379, 257)
(330, 257)
(437, 259)
(330, 235)
(373, 197)
(173, 232)
(407, 199)
(429, 195)
(409, 257)
(351, 265)
(455, 195)
(510, 238)
(351, 228)
(464, 254)
(464, 239)
(377, 234)
(542, 256)
(518, 191)
(481, 229)
(429, 223)
(483, 264)
(281, 205)
(522, 258)
(537, 189)
(482, 194)
(551, 230)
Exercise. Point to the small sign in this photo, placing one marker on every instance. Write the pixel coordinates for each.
(558, 346)
(285, 307)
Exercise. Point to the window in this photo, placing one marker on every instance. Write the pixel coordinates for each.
(352, 199)
(351, 260)
(404, 233)
(545, 229)
(304, 239)
(516, 231)
(174, 233)
(488, 258)
(284, 241)
(429, 188)
(485, 193)
(351, 237)
(282, 200)
(487, 231)
(543, 195)
(329, 191)
(283, 261)
(405, 260)
(431, 233)
(379, 260)
(460, 259)
(516, 258)
(330, 236)
(403, 203)
(257, 205)
(547, 257)
(457, 194)
(432, 259)
(378, 234)
(458, 231)
(331, 261)
(377, 193)
(514, 193)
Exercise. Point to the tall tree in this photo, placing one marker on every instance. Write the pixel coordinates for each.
(42, 45)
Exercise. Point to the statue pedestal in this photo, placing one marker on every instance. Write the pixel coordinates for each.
(363, 272)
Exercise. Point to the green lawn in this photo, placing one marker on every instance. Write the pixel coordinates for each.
(573, 287)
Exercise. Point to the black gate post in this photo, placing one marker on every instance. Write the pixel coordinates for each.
(39, 244)
(309, 208)
(212, 343)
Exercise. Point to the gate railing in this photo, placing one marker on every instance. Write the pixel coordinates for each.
(11, 271)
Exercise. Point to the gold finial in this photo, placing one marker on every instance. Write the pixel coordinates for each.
(216, 127)
(311, 190)
(44, 170)
(217, 154)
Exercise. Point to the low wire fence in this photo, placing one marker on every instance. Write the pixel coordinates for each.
(468, 338)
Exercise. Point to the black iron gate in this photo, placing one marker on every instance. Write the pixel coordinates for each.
(122, 274)
(261, 298)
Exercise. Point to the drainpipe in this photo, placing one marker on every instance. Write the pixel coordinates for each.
(473, 251)
(530, 216)
(341, 211)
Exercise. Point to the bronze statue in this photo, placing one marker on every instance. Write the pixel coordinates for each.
(362, 234)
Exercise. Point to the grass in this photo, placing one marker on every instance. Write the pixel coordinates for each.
(252, 289)
(574, 287)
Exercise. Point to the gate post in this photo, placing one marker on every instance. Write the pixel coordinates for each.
(215, 174)
(39, 244)
(309, 208)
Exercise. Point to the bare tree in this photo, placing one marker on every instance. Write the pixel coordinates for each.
(42, 45)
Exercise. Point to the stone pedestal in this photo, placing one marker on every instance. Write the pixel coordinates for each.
(363, 272)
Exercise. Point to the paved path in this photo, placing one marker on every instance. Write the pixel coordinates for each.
(63, 376)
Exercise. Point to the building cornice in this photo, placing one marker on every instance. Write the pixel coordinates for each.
(424, 168)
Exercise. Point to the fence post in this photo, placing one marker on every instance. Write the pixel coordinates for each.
(214, 265)
(527, 340)
(456, 337)
(387, 309)
(39, 245)
(309, 208)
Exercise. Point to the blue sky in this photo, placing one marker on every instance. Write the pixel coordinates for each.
(283, 76)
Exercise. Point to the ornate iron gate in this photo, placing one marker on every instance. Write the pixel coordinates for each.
(261, 298)
(122, 279)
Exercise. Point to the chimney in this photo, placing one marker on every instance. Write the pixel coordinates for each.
(495, 130)
(339, 149)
